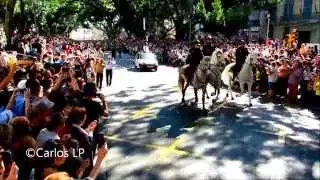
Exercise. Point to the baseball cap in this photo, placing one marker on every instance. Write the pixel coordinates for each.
(43, 104)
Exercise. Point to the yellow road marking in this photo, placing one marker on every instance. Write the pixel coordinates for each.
(175, 88)
(162, 149)
(165, 152)
(282, 133)
(144, 113)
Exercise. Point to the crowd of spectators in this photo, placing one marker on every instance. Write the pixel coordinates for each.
(50, 100)
(292, 74)
(50, 103)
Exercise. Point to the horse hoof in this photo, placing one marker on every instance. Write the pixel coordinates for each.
(250, 105)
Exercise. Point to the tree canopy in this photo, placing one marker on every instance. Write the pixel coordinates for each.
(62, 16)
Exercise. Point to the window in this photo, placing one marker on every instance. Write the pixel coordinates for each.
(288, 9)
(297, 7)
(307, 8)
(316, 6)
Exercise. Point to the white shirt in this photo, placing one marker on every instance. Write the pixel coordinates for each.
(46, 135)
(109, 63)
(273, 77)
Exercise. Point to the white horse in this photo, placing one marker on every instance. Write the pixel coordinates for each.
(245, 75)
(217, 59)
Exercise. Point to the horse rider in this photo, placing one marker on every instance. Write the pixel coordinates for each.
(208, 48)
(193, 60)
(241, 55)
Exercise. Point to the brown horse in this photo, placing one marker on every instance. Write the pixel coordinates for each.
(200, 80)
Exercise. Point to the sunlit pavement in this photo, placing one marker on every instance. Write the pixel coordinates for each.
(152, 136)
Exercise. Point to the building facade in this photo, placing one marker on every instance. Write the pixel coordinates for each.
(304, 15)
(83, 34)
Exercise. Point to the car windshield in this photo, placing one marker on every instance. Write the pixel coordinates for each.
(148, 56)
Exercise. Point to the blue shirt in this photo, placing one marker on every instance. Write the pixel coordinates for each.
(5, 116)
(18, 108)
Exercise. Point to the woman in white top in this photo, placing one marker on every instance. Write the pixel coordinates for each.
(272, 78)
(109, 64)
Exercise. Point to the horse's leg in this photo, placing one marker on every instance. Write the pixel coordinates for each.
(184, 92)
(230, 90)
(195, 95)
(241, 88)
(227, 94)
(217, 93)
(207, 95)
(249, 92)
(203, 99)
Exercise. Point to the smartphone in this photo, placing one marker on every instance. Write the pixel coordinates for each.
(101, 140)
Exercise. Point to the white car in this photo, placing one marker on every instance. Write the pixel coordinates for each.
(145, 61)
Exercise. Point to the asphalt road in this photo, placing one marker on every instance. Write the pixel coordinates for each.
(152, 136)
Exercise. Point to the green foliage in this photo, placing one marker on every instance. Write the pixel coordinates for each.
(227, 16)
(61, 16)
(201, 11)
(218, 13)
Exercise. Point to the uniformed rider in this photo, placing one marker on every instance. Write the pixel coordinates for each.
(241, 55)
(194, 58)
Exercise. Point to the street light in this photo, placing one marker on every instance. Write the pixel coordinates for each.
(34, 14)
(190, 4)
(268, 25)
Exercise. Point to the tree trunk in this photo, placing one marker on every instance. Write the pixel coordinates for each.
(22, 26)
(180, 29)
(8, 22)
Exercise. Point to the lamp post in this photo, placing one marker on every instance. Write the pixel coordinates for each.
(190, 4)
(34, 15)
(268, 25)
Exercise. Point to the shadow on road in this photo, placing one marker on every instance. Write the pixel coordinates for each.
(240, 142)
(177, 117)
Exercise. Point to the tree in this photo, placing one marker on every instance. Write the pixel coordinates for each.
(8, 22)
(228, 16)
